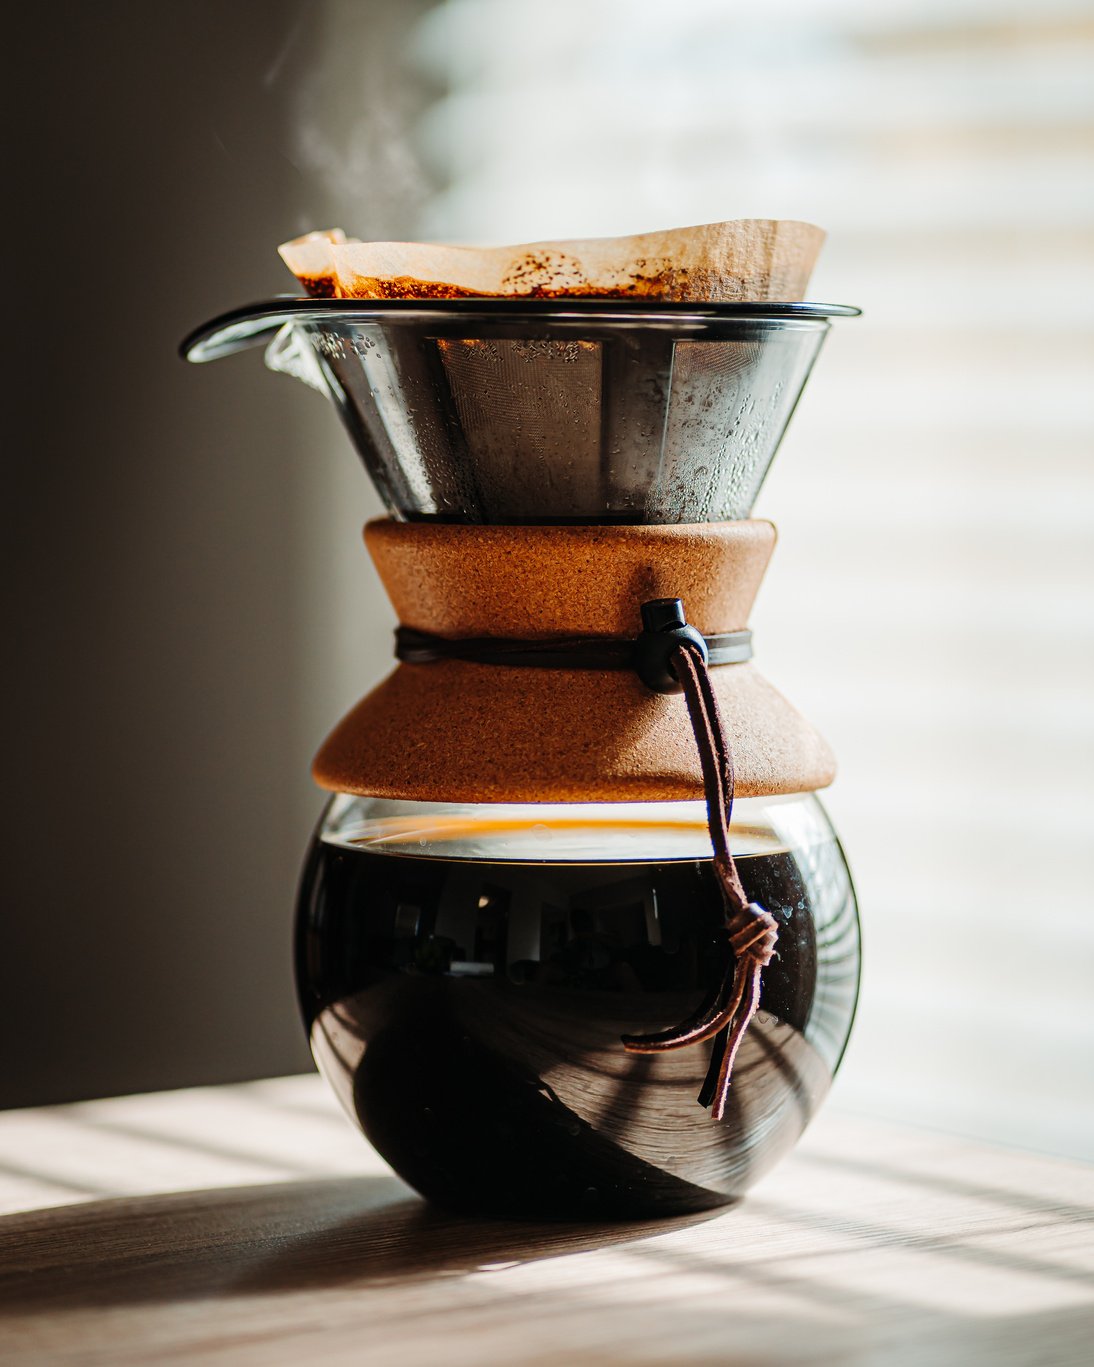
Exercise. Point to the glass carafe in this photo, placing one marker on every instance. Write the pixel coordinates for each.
(474, 936)
(466, 973)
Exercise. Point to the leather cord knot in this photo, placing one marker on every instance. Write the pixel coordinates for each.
(756, 934)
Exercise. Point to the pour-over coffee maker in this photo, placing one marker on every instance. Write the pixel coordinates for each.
(575, 936)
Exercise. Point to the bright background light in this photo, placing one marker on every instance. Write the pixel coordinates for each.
(930, 602)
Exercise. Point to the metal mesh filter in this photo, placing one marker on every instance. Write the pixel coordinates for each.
(563, 419)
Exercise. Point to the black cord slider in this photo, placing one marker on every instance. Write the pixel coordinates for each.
(664, 629)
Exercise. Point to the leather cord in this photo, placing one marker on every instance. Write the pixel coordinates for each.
(557, 652)
(669, 656)
(750, 932)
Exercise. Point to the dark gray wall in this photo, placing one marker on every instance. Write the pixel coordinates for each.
(168, 617)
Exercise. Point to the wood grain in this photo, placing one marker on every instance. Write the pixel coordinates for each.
(251, 1225)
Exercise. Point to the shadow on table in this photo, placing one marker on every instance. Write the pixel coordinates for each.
(308, 1236)
(252, 1240)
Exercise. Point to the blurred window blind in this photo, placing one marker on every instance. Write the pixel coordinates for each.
(929, 605)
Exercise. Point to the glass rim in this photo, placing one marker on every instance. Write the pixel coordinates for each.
(254, 324)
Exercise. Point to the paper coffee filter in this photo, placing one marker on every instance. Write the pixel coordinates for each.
(745, 260)
(310, 258)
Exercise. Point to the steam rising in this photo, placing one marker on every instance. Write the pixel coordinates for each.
(355, 103)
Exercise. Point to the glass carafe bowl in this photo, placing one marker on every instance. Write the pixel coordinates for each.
(466, 972)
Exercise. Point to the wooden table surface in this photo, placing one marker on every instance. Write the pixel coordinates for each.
(251, 1224)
